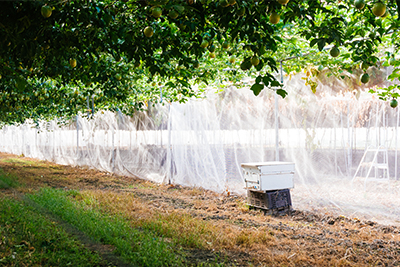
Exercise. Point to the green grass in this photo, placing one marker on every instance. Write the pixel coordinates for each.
(21, 161)
(27, 238)
(8, 181)
(135, 246)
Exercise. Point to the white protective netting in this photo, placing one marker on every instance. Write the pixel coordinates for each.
(204, 141)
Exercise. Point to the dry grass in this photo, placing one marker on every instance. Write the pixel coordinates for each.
(200, 220)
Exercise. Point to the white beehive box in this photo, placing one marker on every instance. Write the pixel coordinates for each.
(266, 176)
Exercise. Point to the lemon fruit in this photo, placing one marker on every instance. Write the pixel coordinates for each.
(148, 31)
(156, 12)
(359, 4)
(334, 51)
(274, 18)
(364, 78)
(46, 11)
(379, 9)
(204, 44)
(225, 45)
(255, 61)
(72, 62)
(393, 103)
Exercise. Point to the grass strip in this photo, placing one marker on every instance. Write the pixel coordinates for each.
(8, 181)
(29, 239)
(139, 247)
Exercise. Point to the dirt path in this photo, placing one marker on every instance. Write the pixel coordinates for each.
(246, 236)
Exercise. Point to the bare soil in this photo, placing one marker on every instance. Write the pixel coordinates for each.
(302, 239)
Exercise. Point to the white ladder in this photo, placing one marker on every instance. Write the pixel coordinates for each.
(374, 164)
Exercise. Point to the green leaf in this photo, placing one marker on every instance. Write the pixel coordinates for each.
(266, 80)
(314, 42)
(321, 44)
(276, 84)
(282, 93)
(257, 88)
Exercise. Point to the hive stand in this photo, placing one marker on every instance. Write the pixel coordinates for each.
(374, 165)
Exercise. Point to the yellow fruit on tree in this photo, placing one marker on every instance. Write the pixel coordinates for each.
(156, 12)
(255, 61)
(274, 18)
(204, 44)
(225, 45)
(379, 9)
(148, 31)
(359, 4)
(46, 11)
(72, 62)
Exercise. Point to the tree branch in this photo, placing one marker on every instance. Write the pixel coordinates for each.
(398, 7)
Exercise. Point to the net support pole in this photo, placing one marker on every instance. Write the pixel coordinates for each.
(113, 150)
(169, 148)
(88, 106)
(92, 105)
(350, 141)
(395, 155)
(277, 119)
(23, 139)
(77, 138)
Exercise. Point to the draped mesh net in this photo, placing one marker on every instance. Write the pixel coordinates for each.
(204, 141)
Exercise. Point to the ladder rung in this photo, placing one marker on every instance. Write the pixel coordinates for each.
(380, 165)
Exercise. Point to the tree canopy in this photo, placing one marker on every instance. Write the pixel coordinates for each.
(56, 56)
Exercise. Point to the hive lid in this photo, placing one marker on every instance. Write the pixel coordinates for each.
(267, 163)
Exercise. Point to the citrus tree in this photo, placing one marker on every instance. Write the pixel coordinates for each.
(56, 56)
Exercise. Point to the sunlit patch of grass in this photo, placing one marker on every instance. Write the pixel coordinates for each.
(139, 247)
(27, 238)
(22, 161)
(182, 228)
